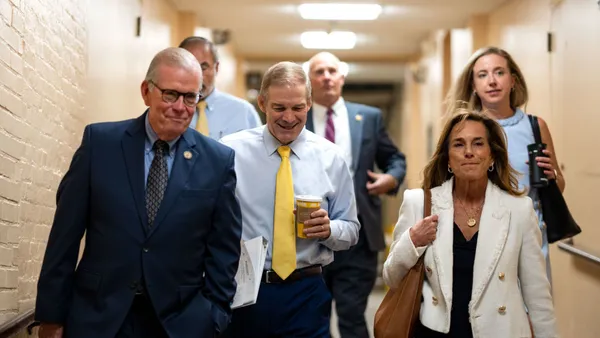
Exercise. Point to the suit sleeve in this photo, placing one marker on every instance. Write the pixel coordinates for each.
(223, 250)
(55, 284)
(388, 158)
(403, 253)
(532, 275)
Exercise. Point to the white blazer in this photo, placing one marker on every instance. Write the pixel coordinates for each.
(508, 251)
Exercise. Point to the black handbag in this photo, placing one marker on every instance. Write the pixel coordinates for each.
(559, 222)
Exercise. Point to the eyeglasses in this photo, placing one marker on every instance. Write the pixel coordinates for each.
(171, 96)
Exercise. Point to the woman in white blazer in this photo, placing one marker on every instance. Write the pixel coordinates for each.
(484, 265)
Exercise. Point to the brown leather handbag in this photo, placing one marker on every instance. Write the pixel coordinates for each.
(398, 313)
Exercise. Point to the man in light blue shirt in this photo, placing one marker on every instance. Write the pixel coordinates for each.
(298, 304)
(226, 114)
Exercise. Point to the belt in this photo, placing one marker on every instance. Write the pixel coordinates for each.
(271, 277)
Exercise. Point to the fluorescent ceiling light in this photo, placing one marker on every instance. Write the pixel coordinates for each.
(324, 40)
(339, 11)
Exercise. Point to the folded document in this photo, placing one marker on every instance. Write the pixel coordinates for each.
(250, 269)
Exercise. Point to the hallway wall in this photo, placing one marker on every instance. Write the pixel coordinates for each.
(43, 62)
(118, 59)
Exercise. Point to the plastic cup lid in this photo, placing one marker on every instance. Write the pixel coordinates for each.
(309, 198)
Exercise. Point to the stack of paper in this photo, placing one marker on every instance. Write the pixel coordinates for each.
(250, 269)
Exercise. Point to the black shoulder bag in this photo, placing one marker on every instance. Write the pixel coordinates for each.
(559, 222)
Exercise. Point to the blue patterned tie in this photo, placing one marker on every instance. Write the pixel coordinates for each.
(158, 176)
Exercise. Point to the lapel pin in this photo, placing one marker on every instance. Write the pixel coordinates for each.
(358, 117)
(187, 154)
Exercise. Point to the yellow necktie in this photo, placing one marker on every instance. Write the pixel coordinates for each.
(284, 234)
(202, 123)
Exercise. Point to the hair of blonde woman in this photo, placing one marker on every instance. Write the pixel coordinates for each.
(173, 57)
(284, 74)
(503, 175)
(462, 94)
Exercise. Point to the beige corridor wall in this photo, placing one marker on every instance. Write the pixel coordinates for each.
(118, 59)
(42, 78)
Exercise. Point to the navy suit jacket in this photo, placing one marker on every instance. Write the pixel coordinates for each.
(370, 145)
(187, 261)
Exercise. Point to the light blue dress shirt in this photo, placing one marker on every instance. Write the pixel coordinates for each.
(318, 168)
(227, 114)
(151, 137)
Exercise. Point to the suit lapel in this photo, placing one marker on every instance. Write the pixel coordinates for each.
(442, 247)
(185, 158)
(356, 131)
(133, 152)
(309, 121)
(493, 231)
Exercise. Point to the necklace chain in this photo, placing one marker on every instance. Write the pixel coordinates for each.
(471, 221)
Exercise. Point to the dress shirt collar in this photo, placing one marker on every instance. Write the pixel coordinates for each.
(271, 143)
(211, 99)
(321, 111)
(152, 137)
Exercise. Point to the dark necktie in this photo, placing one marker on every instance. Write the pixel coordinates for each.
(329, 127)
(158, 176)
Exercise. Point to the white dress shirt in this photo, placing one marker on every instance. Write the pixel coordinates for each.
(317, 169)
(340, 123)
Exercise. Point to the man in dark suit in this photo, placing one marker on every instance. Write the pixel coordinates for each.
(359, 131)
(163, 226)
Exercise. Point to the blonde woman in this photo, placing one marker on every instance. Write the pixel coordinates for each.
(492, 82)
(482, 245)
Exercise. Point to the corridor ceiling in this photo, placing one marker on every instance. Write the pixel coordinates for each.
(270, 29)
(267, 31)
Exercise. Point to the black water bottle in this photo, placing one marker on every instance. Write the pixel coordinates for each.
(537, 178)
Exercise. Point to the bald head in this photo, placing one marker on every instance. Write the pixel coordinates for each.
(326, 78)
(323, 56)
(173, 58)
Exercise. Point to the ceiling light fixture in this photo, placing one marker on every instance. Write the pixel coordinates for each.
(340, 11)
(325, 40)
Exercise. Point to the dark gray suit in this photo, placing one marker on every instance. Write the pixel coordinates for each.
(352, 274)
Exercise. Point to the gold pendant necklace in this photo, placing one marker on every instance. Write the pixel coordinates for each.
(471, 222)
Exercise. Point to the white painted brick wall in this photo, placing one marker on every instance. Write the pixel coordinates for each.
(43, 61)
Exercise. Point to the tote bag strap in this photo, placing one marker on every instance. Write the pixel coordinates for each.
(535, 127)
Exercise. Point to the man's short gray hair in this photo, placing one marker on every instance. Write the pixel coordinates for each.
(284, 74)
(173, 57)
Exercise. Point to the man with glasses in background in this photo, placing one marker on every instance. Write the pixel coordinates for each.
(218, 114)
(157, 203)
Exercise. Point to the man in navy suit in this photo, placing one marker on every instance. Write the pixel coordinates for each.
(360, 132)
(157, 203)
